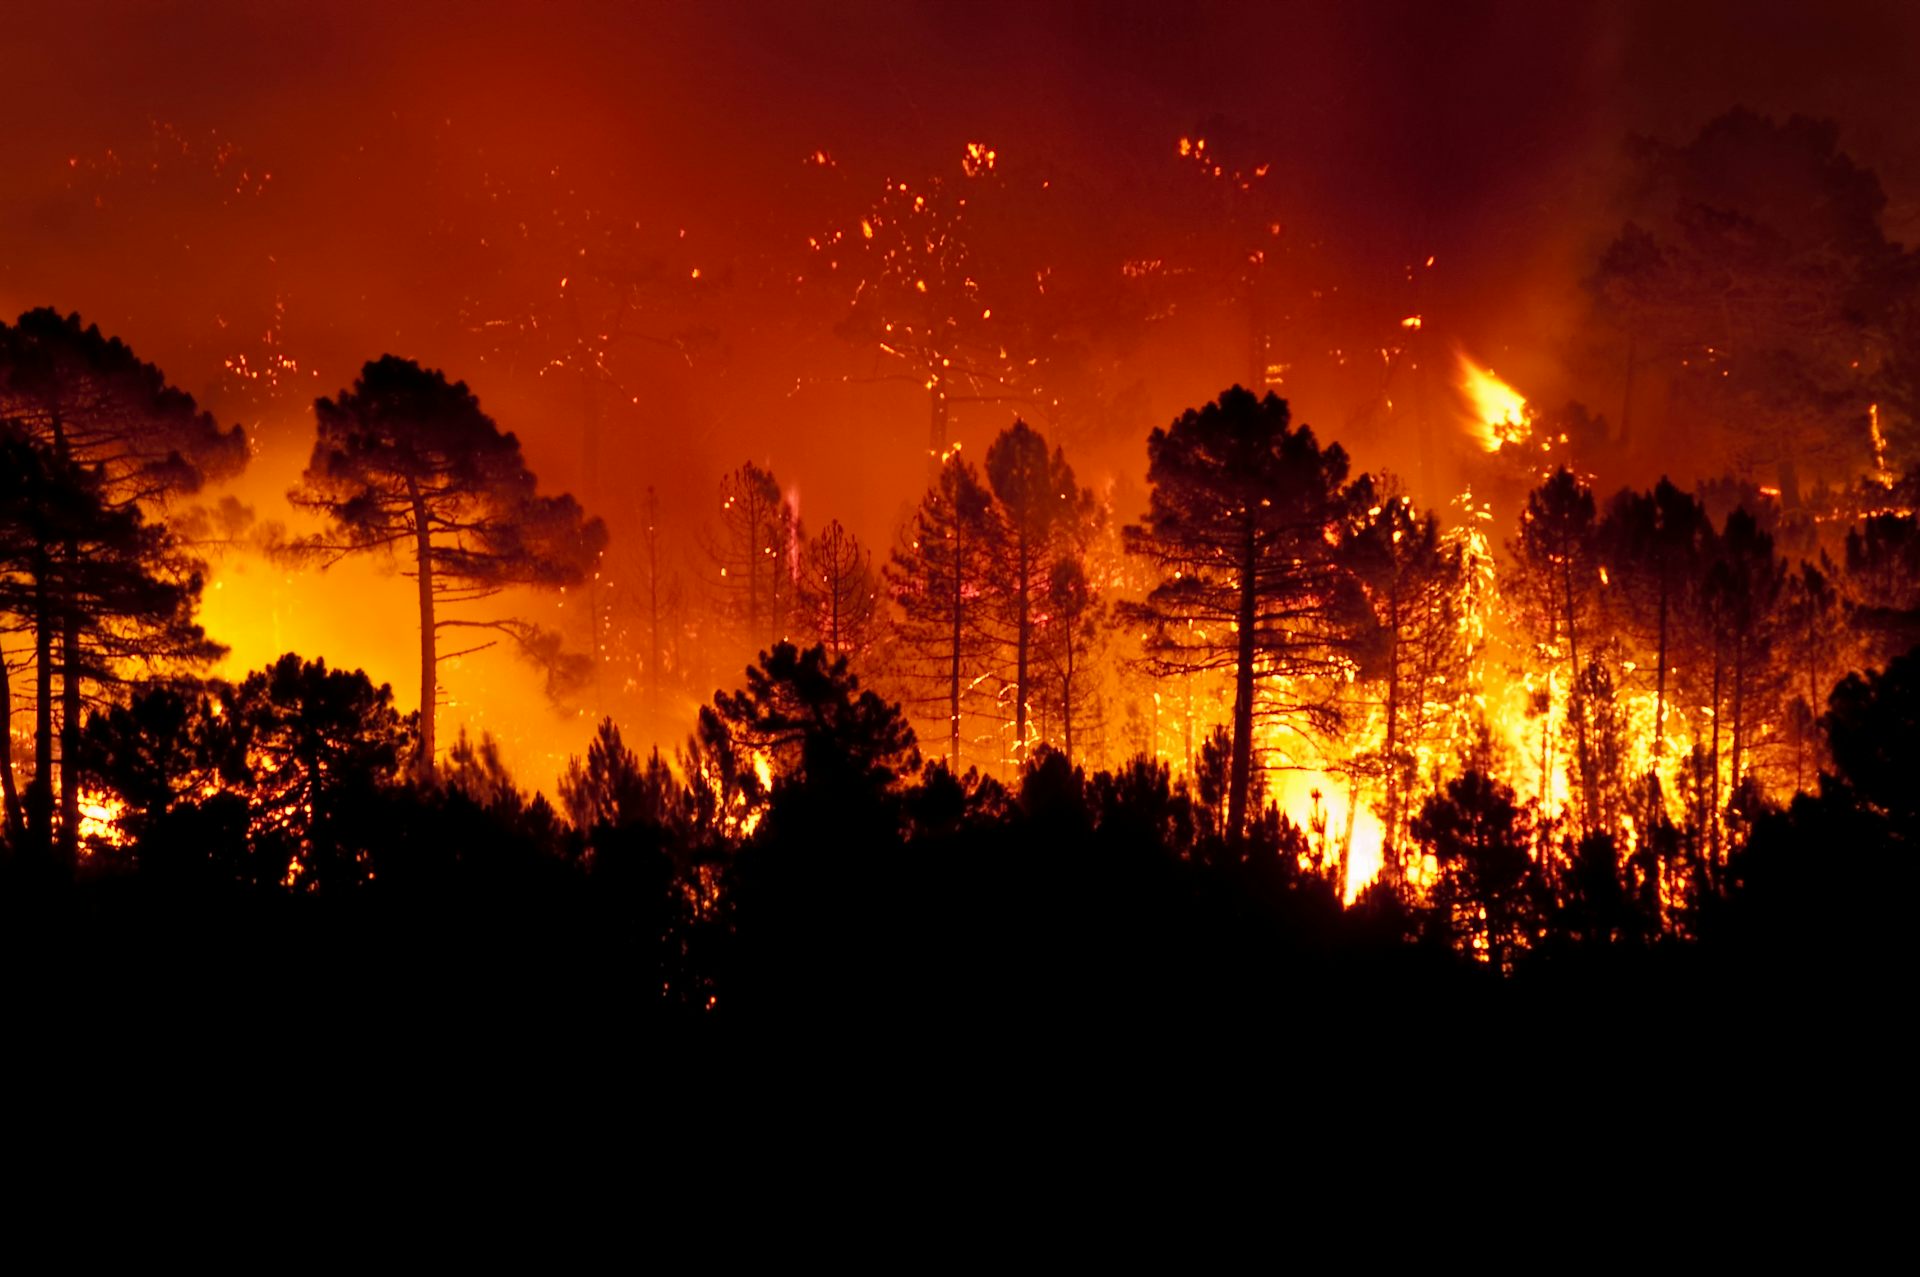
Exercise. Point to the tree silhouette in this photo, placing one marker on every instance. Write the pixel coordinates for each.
(1552, 584)
(1068, 645)
(304, 751)
(1481, 837)
(1756, 278)
(808, 716)
(1043, 516)
(405, 462)
(1415, 583)
(94, 405)
(1741, 598)
(113, 588)
(839, 595)
(940, 578)
(754, 555)
(1244, 516)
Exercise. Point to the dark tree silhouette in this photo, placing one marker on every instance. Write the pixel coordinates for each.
(1883, 575)
(1069, 642)
(113, 588)
(1741, 598)
(304, 751)
(1244, 518)
(614, 787)
(1418, 658)
(808, 716)
(1043, 515)
(407, 463)
(940, 578)
(1552, 586)
(754, 555)
(1758, 281)
(1481, 838)
(839, 594)
(95, 405)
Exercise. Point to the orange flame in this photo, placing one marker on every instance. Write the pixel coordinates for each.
(1499, 414)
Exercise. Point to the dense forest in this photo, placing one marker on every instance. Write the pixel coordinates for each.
(1274, 737)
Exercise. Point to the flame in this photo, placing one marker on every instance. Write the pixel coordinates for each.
(1882, 474)
(1499, 413)
(100, 814)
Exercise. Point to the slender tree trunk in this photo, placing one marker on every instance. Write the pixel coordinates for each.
(40, 792)
(834, 587)
(70, 725)
(1066, 697)
(1390, 860)
(1660, 683)
(1023, 638)
(1240, 775)
(953, 681)
(1713, 791)
(14, 817)
(429, 662)
(1739, 713)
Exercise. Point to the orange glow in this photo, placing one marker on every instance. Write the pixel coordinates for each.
(1498, 414)
(100, 814)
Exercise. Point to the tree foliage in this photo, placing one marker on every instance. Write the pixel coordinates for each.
(406, 462)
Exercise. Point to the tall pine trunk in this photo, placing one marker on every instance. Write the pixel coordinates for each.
(429, 662)
(953, 682)
(40, 792)
(69, 724)
(1023, 638)
(10, 810)
(1240, 776)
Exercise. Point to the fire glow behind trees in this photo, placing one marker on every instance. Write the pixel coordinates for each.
(1162, 387)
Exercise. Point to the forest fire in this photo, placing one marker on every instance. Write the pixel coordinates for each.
(400, 502)
(1499, 414)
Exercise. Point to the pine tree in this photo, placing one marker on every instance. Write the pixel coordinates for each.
(754, 554)
(839, 595)
(110, 586)
(1415, 582)
(406, 462)
(1043, 517)
(94, 405)
(940, 578)
(1245, 515)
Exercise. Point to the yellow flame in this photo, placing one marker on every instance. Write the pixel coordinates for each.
(100, 818)
(1499, 413)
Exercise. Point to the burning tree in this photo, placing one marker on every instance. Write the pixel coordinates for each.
(754, 555)
(280, 772)
(1244, 522)
(116, 437)
(839, 594)
(1069, 644)
(109, 585)
(1416, 582)
(1042, 517)
(406, 461)
(1552, 584)
(940, 578)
